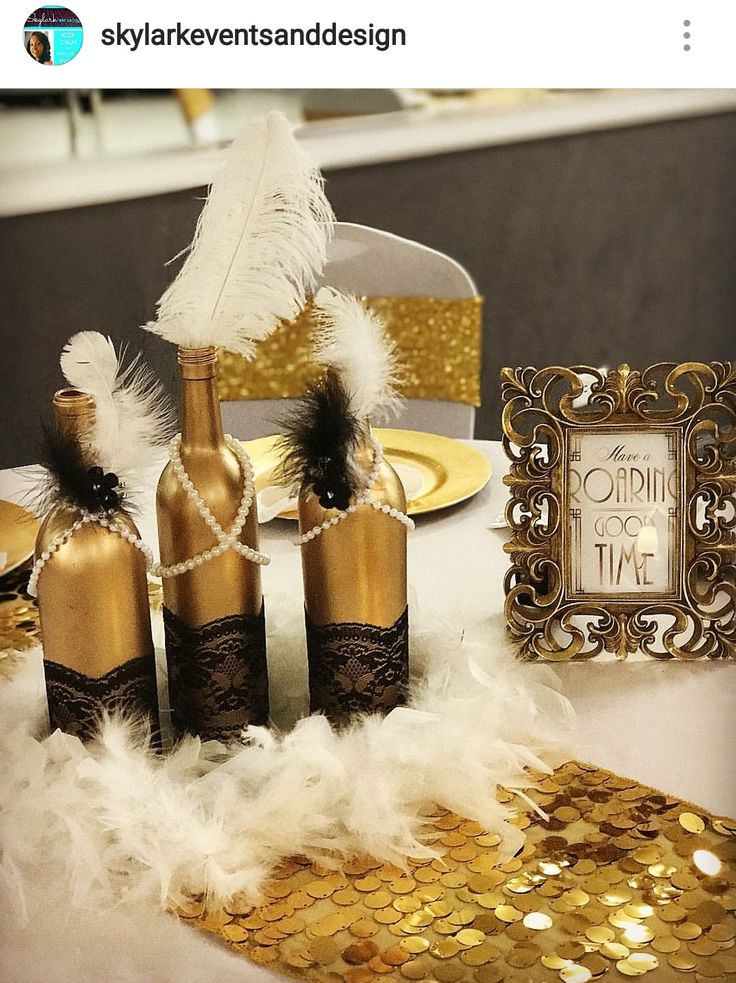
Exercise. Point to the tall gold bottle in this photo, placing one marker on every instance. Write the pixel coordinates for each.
(355, 603)
(213, 614)
(93, 605)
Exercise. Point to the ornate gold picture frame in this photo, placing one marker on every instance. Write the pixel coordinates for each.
(622, 510)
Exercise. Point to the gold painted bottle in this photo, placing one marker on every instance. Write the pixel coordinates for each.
(355, 603)
(213, 613)
(93, 605)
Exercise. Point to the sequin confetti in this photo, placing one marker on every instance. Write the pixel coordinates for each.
(20, 625)
(707, 862)
(621, 882)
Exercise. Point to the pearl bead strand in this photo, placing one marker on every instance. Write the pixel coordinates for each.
(364, 498)
(103, 520)
(225, 540)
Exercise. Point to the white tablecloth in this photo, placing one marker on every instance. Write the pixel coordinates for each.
(668, 725)
(671, 725)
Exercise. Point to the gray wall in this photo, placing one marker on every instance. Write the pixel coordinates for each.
(595, 248)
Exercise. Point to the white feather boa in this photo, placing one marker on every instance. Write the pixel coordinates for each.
(111, 824)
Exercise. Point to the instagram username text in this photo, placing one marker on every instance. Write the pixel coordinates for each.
(318, 35)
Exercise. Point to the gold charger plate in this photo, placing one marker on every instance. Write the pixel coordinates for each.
(451, 471)
(18, 530)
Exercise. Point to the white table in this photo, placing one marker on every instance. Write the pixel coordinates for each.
(668, 725)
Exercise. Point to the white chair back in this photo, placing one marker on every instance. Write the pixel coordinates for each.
(369, 262)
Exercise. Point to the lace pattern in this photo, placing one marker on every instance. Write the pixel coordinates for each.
(218, 682)
(77, 702)
(357, 668)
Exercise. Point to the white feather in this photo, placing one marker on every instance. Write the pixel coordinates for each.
(133, 415)
(353, 340)
(90, 363)
(111, 825)
(260, 241)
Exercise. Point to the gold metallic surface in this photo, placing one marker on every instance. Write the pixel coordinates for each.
(92, 593)
(438, 344)
(690, 822)
(228, 584)
(74, 412)
(92, 597)
(707, 862)
(451, 471)
(18, 531)
(535, 937)
(20, 625)
(356, 571)
(20, 628)
(541, 408)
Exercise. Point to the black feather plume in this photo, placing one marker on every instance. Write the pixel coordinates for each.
(72, 478)
(319, 443)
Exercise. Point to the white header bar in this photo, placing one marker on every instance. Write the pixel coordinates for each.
(459, 44)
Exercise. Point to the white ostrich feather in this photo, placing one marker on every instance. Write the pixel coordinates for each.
(133, 415)
(111, 825)
(260, 241)
(353, 341)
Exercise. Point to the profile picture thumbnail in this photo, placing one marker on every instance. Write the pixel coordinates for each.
(53, 35)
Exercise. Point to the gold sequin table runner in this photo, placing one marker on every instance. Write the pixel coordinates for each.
(620, 881)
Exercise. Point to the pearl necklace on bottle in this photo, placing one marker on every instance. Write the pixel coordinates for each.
(363, 498)
(225, 540)
(104, 519)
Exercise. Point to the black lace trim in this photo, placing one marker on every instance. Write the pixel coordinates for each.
(77, 702)
(357, 668)
(218, 680)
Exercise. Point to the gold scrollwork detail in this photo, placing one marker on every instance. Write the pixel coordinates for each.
(541, 409)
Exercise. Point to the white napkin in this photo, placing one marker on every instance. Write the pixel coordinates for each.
(411, 478)
(273, 500)
(276, 499)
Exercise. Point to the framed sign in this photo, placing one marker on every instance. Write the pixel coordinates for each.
(622, 510)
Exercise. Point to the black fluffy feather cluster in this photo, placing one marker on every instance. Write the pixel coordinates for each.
(72, 479)
(320, 439)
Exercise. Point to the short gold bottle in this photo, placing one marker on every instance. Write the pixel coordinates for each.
(213, 613)
(93, 605)
(355, 603)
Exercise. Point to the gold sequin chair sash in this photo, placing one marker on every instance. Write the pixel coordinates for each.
(438, 343)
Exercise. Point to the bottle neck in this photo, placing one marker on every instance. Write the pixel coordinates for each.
(364, 454)
(201, 421)
(74, 412)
